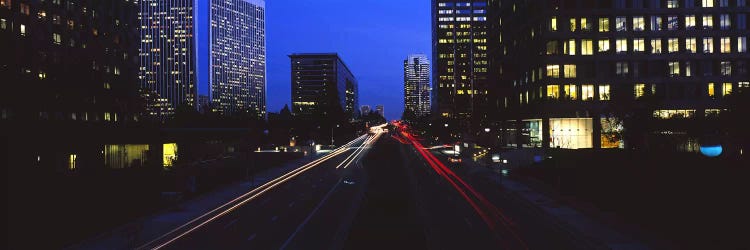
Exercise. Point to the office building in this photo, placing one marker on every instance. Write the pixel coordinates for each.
(365, 109)
(567, 66)
(417, 85)
(322, 85)
(460, 64)
(380, 110)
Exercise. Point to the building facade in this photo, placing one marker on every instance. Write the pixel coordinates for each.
(568, 68)
(380, 110)
(238, 56)
(460, 61)
(365, 109)
(417, 85)
(322, 85)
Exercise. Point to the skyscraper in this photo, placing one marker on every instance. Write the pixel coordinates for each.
(238, 56)
(417, 84)
(365, 109)
(460, 63)
(322, 85)
(233, 61)
(380, 109)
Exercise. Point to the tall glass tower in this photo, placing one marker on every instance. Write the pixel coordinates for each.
(417, 84)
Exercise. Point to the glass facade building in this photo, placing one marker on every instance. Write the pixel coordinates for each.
(417, 84)
(322, 85)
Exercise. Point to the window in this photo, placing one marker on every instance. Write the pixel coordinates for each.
(724, 22)
(553, 91)
(587, 92)
(656, 23)
(741, 21)
(673, 4)
(708, 22)
(22, 29)
(711, 90)
(672, 23)
(742, 44)
(553, 71)
(572, 24)
(674, 68)
(707, 3)
(620, 24)
(621, 68)
(688, 69)
(690, 22)
(743, 84)
(56, 38)
(604, 92)
(726, 89)
(708, 45)
(603, 45)
(656, 46)
(24, 8)
(3, 24)
(621, 45)
(587, 47)
(552, 48)
(603, 24)
(570, 92)
(639, 90)
(570, 47)
(690, 45)
(553, 24)
(570, 70)
(585, 25)
(673, 45)
(639, 45)
(726, 68)
(638, 23)
(726, 45)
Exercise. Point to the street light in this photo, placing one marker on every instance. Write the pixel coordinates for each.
(332, 141)
(487, 130)
(446, 125)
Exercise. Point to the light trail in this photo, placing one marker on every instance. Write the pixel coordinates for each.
(365, 146)
(247, 197)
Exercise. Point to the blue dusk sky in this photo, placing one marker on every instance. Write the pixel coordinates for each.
(373, 37)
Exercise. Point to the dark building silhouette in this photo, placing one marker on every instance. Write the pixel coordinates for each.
(565, 66)
(322, 85)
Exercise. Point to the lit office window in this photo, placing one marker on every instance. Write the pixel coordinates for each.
(553, 91)
(3, 24)
(711, 90)
(570, 70)
(726, 89)
(573, 24)
(638, 23)
(570, 47)
(742, 44)
(690, 22)
(707, 3)
(656, 46)
(587, 92)
(620, 24)
(585, 25)
(552, 48)
(553, 24)
(672, 23)
(708, 45)
(656, 23)
(673, 4)
(570, 92)
(604, 92)
(22, 29)
(688, 69)
(553, 71)
(674, 68)
(587, 47)
(603, 24)
(690, 44)
(743, 84)
(603, 45)
(708, 21)
(621, 68)
(639, 45)
(726, 68)
(673, 45)
(621, 45)
(639, 90)
(56, 38)
(726, 45)
(725, 22)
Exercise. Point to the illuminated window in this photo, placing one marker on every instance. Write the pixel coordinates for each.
(673, 4)
(639, 45)
(22, 29)
(690, 22)
(726, 45)
(620, 24)
(725, 22)
(169, 154)
(638, 23)
(672, 114)
(553, 71)
(603, 45)
(570, 92)
(708, 21)
(587, 47)
(688, 69)
(72, 162)
(3, 24)
(726, 68)
(674, 68)
(707, 3)
(690, 44)
(656, 23)
(743, 84)
(553, 91)
(673, 45)
(621, 45)
(570, 70)
(656, 46)
(742, 44)
(585, 25)
(553, 24)
(622, 68)
(570, 47)
(708, 45)
(56, 38)
(672, 23)
(572, 24)
(639, 90)
(604, 92)
(726, 89)
(552, 48)
(604, 24)
(711, 91)
(587, 92)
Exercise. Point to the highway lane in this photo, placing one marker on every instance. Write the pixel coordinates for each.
(270, 217)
